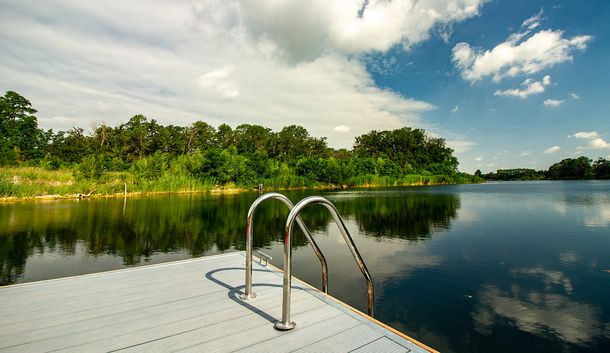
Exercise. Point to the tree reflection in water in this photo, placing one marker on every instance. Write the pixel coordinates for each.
(137, 229)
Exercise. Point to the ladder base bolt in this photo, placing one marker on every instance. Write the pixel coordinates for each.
(280, 326)
(245, 296)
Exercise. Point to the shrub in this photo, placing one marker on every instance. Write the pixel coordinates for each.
(92, 167)
(151, 167)
(6, 187)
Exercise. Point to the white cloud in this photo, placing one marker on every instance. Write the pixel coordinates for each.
(342, 128)
(61, 122)
(525, 153)
(478, 159)
(574, 96)
(598, 144)
(553, 102)
(585, 135)
(552, 149)
(530, 87)
(304, 30)
(595, 141)
(522, 53)
(455, 109)
(460, 146)
(220, 82)
(232, 62)
(532, 22)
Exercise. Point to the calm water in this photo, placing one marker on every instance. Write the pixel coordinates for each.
(475, 268)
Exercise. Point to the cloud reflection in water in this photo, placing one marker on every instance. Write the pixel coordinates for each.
(538, 312)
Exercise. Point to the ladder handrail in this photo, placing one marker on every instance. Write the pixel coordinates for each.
(248, 293)
(285, 324)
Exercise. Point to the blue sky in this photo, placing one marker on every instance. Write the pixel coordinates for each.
(506, 83)
(509, 131)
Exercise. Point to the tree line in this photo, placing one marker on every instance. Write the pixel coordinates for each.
(580, 168)
(245, 155)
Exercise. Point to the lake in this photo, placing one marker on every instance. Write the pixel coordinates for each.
(496, 267)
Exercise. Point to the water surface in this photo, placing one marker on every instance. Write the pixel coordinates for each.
(498, 267)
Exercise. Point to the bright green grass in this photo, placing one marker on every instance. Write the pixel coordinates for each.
(29, 182)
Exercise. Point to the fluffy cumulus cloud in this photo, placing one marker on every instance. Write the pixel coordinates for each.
(526, 52)
(595, 141)
(585, 135)
(303, 30)
(229, 61)
(460, 146)
(342, 128)
(220, 81)
(529, 87)
(552, 102)
(551, 150)
(598, 144)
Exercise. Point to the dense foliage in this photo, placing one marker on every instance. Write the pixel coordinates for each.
(568, 169)
(515, 174)
(146, 152)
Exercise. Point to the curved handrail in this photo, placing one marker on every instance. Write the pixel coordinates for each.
(285, 323)
(248, 293)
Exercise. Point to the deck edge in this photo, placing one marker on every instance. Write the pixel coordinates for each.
(136, 268)
(361, 314)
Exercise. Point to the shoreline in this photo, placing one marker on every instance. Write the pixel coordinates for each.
(215, 191)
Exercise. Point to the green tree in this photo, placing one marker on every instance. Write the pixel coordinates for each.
(167, 139)
(601, 168)
(234, 169)
(407, 146)
(225, 136)
(573, 169)
(135, 137)
(253, 138)
(70, 146)
(260, 165)
(294, 142)
(200, 136)
(20, 137)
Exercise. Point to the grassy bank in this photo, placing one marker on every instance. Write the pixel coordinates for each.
(18, 183)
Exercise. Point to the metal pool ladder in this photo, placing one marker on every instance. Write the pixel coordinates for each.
(248, 293)
(285, 324)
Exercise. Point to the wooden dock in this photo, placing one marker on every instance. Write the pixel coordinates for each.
(190, 305)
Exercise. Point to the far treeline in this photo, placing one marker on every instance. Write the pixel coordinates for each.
(581, 168)
(152, 157)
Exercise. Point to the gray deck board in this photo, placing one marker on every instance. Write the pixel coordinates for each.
(381, 345)
(186, 306)
(350, 339)
(46, 292)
